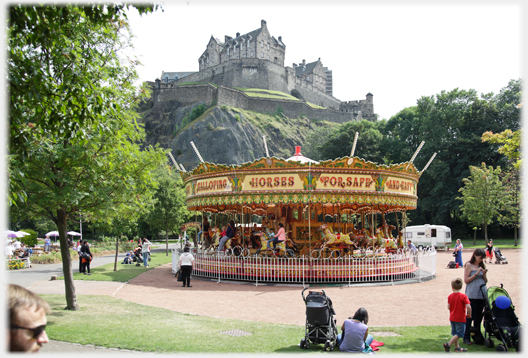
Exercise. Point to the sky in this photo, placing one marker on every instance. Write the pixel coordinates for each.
(398, 51)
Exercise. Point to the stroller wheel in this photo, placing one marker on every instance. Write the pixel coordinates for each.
(307, 345)
(302, 343)
(331, 346)
(327, 346)
(501, 348)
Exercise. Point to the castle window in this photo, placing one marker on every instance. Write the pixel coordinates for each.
(268, 46)
(261, 43)
(252, 54)
(244, 55)
(234, 51)
(262, 54)
(268, 57)
(228, 51)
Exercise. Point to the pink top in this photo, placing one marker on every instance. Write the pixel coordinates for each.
(281, 234)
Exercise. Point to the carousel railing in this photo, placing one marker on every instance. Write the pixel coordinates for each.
(321, 267)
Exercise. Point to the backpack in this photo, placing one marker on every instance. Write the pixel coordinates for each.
(451, 264)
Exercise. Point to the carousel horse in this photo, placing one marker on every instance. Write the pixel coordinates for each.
(335, 239)
(390, 245)
(216, 241)
(281, 246)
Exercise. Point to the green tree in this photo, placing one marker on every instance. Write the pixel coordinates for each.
(340, 141)
(72, 114)
(510, 208)
(510, 144)
(481, 194)
(169, 211)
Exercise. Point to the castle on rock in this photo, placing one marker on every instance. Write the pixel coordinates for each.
(256, 60)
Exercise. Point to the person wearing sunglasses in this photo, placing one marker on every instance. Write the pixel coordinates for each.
(27, 320)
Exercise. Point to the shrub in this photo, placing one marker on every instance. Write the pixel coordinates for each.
(31, 239)
(237, 117)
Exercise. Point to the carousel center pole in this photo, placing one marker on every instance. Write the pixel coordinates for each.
(309, 214)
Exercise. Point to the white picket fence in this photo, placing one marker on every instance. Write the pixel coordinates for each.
(400, 266)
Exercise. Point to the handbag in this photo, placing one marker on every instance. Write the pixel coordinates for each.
(179, 275)
(455, 253)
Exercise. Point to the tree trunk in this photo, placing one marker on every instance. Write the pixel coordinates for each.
(69, 287)
(486, 231)
(475, 236)
(515, 235)
(167, 241)
(117, 251)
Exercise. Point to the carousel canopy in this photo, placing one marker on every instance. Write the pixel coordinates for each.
(353, 184)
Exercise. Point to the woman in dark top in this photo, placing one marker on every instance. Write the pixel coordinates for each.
(230, 233)
(85, 249)
(489, 251)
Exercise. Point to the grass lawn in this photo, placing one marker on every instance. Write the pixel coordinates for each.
(116, 323)
(123, 273)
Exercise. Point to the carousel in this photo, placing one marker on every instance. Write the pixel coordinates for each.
(334, 214)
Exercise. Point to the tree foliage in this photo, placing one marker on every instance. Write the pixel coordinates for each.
(511, 198)
(451, 124)
(169, 211)
(481, 194)
(74, 140)
(510, 144)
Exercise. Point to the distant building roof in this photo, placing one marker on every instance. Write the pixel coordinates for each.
(173, 76)
(305, 69)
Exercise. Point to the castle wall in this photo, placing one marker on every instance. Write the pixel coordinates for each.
(314, 95)
(184, 94)
(235, 98)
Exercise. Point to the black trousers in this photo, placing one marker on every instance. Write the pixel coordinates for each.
(186, 271)
(84, 266)
(477, 313)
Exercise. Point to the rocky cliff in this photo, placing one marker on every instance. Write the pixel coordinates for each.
(222, 134)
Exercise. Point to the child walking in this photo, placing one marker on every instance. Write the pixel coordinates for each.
(459, 307)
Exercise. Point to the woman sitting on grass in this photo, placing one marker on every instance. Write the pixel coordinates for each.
(355, 336)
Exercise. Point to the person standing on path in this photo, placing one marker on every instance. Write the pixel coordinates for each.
(145, 250)
(457, 304)
(186, 266)
(458, 250)
(47, 244)
(489, 250)
(27, 320)
(86, 257)
(475, 276)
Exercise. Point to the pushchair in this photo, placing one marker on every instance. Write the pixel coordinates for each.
(320, 322)
(137, 258)
(499, 259)
(500, 320)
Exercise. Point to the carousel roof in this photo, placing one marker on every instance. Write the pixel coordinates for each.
(298, 157)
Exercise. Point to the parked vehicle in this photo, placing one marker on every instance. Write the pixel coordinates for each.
(428, 235)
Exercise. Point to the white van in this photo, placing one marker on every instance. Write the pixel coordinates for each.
(428, 235)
